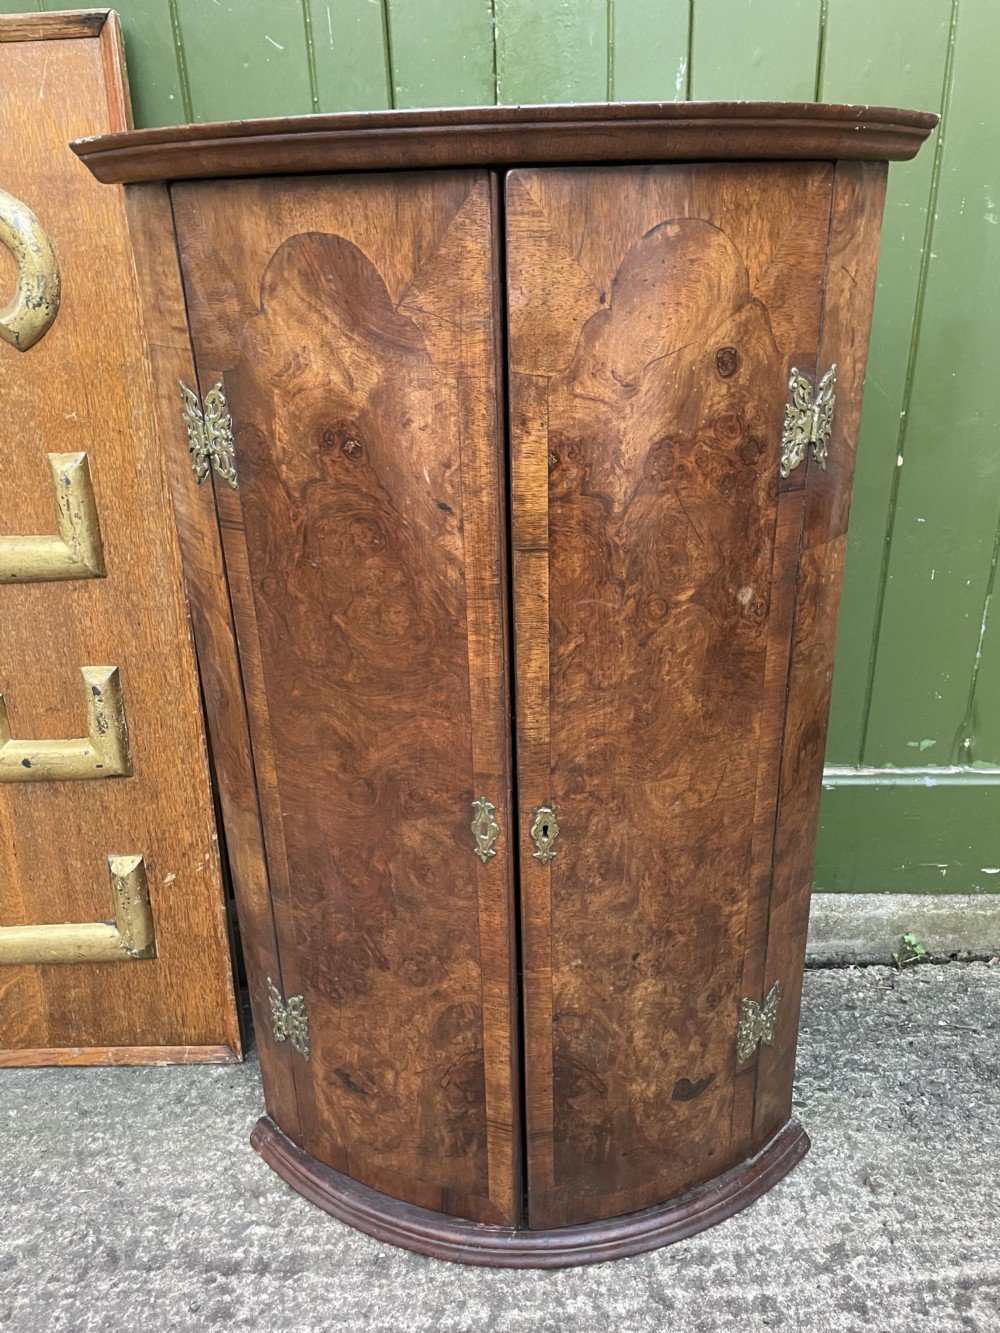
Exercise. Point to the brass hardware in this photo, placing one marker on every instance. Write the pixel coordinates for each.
(102, 753)
(76, 553)
(289, 1020)
(210, 433)
(129, 938)
(757, 1024)
(807, 420)
(485, 828)
(544, 831)
(29, 315)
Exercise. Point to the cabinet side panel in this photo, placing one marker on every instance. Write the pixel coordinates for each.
(352, 323)
(171, 361)
(859, 195)
(654, 315)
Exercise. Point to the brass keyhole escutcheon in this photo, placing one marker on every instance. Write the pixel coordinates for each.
(544, 831)
(485, 829)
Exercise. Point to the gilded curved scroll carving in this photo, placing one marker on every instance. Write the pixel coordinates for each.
(75, 552)
(102, 753)
(35, 304)
(128, 938)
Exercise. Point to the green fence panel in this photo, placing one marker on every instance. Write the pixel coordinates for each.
(876, 53)
(765, 50)
(159, 93)
(552, 52)
(441, 52)
(945, 522)
(244, 58)
(350, 58)
(649, 50)
(983, 723)
(928, 832)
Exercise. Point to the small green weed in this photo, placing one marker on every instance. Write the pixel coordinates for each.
(911, 952)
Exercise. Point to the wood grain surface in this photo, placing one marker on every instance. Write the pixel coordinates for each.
(205, 580)
(354, 324)
(654, 315)
(510, 135)
(465, 1242)
(86, 387)
(858, 198)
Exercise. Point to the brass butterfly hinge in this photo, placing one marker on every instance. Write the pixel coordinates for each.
(210, 433)
(485, 829)
(808, 420)
(289, 1019)
(757, 1023)
(544, 831)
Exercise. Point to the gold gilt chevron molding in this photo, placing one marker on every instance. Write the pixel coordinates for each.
(129, 938)
(102, 753)
(75, 551)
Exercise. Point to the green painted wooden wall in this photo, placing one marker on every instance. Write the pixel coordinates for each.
(913, 780)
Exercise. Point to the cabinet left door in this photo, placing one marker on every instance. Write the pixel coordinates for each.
(349, 328)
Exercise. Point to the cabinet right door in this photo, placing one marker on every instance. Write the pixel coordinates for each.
(655, 315)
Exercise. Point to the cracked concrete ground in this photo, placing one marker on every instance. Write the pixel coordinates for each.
(129, 1199)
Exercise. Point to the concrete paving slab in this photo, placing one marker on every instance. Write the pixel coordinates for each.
(846, 929)
(129, 1200)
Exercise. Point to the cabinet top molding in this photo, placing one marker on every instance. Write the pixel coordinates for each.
(508, 136)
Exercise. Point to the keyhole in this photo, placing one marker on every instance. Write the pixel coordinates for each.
(545, 832)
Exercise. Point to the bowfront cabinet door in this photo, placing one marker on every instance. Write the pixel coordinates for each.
(655, 315)
(352, 324)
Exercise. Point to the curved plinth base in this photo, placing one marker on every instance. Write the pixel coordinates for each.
(453, 1238)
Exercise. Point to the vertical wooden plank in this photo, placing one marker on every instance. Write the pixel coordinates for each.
(755, 49)
(441, 53)
(150, 54)
(949, 490)
(982, 724)
(649, 50)
(556, 52)
(350, 54)
(900, 63)
(859, 193)
(245, 58)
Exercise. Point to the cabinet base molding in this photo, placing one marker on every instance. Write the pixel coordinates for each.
(442, 1237)
(107, 1056)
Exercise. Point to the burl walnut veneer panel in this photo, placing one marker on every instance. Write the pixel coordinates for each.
(655, 314)
(675, 555)
(354, 326)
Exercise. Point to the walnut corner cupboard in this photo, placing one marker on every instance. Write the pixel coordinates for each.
(530, 436)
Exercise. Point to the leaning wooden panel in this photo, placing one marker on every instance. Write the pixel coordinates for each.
(350, 326)
(654, 317)
(90, 582)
